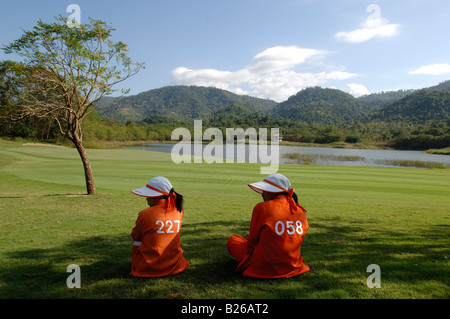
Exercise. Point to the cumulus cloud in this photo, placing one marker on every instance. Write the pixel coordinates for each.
(279, 86)
(373, 27)
(281, 58)
(365, 34)
(269, 75)
(432, 69)
(204, 77)
(357, 90)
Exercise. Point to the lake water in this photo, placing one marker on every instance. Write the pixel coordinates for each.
(327, 156)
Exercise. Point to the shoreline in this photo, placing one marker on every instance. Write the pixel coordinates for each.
(98, 144)
(379, 146)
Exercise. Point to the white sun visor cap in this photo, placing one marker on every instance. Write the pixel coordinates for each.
(268, 184)
(157, 186)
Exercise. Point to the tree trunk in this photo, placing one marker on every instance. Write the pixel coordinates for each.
(90, 186)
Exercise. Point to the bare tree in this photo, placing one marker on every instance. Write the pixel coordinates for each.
(67, 71)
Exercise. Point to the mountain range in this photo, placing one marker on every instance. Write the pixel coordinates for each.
(314, 105)
(179, 102)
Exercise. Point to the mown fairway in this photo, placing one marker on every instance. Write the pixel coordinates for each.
(397, 218)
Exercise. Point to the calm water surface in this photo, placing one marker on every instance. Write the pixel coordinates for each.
(329, 156)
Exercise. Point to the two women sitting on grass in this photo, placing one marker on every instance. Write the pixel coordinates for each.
(271, 248)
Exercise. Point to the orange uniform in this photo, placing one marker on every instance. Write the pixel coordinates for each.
(157, 251)
(272, 247)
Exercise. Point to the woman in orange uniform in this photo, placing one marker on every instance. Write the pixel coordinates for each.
(277, 229)
(156, 249)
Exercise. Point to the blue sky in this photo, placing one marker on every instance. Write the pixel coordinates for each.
(266, 48)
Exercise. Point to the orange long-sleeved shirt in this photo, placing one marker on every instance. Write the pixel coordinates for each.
(160, 253)
(276, 236)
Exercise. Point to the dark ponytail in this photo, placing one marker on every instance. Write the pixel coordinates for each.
(178, 201)
(294, 196)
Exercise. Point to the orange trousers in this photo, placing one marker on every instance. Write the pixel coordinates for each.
(239, 248)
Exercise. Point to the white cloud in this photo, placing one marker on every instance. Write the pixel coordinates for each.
(373, 27)
(357, 90)
(279, 86)
(203, 77)
(281, 58)
(432, 69)
(365, 34)
(269, 75)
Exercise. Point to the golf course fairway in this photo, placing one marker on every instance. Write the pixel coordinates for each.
(396, 218)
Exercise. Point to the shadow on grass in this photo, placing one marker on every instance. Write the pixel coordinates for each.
(337, 255)
(105, 263)
(41, 273)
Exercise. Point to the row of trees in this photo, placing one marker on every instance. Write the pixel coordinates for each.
(159, 128)
(434, 135)
(423, 141)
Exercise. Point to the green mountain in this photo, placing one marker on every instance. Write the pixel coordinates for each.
(315, 105)
(321, 106)
(243, 116)
(334, 107)
(177, 102)
(420, 107)
(441, 86)
(376, 101)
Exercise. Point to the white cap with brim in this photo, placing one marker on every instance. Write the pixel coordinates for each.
(275, 183)
(157, 186)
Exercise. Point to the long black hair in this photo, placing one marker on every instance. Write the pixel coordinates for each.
(294, 196)
(178, 201)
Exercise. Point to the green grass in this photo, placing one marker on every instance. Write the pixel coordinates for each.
(397, 218)
(312, 158)
(410, 163)
(442, 151)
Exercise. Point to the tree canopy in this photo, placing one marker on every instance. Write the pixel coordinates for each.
(64, 72)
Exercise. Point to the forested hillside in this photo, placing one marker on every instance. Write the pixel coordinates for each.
(315, 106)
(321, 106)
(419, 107)
(375, 101)
(405, 119)
(178, 102)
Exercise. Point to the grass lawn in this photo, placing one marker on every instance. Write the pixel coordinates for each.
(397, 218)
